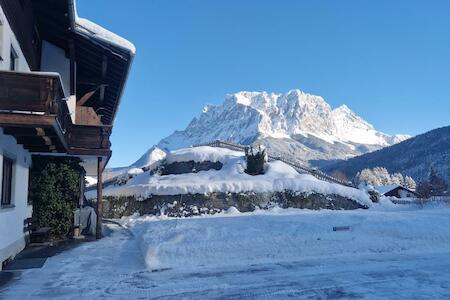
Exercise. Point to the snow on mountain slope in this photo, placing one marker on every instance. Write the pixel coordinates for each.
(414, 157)
(154, 154)
(296, 123)
(350, 127)
(149, 159)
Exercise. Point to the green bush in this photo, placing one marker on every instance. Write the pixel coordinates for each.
(255, 161)
(55, 191)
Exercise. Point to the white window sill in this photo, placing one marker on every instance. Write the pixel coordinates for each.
(7, 207)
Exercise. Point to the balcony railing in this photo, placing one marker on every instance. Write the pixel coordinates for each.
(30, 92)
(35, 101)
(89, 138)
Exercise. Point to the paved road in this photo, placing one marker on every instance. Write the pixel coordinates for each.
(113, 269)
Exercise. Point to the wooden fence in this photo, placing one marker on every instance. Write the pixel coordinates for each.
(423, 201)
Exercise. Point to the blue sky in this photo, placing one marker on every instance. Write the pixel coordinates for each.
(389, 61)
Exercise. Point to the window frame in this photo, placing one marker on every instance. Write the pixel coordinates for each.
(5, 203)
(13, 59)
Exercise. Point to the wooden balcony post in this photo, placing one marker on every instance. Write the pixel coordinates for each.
(99, 198)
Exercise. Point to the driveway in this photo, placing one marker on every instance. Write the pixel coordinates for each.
(113, 268)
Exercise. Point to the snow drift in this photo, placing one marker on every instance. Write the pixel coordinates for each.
(278, 235)
(230, 179)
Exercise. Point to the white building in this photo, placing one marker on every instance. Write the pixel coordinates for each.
(397, 191)
(57, 73)
(14, 208)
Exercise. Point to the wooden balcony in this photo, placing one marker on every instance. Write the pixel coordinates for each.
(29, 92)
(89, 140)
(33, 111)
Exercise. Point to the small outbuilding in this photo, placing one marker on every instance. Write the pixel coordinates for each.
(397, 191)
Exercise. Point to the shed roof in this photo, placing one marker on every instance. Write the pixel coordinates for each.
(384, 189)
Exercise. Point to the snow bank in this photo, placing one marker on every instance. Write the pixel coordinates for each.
(287, 235)
(231, 178)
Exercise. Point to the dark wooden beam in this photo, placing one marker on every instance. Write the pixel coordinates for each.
(24, 131)
(33, 141)
(86, 97)
(89, 152)
(104, 73)
(73, 68)
(26, 120)
(39, 149)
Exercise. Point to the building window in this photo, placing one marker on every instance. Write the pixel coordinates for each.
(7, 176)
(13, 60)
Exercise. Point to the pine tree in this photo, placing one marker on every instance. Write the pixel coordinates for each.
(398, 179)
(438, 186)
(424, 189)
(380, 176)
(410, 183)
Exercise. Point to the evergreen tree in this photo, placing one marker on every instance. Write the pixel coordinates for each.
(398, 179)
(437, 184)
(424, 189)
(255, 160)
(410, 183)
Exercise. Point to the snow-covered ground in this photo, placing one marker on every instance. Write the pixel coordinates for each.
(390, 252)
(231, 178)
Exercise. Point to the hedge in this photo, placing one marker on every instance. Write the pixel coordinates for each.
(55, 191)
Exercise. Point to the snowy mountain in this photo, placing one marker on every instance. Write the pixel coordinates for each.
(413, 157)
(295, 124)
(153, 155)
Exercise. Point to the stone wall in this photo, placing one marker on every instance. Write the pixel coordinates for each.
(211, 203)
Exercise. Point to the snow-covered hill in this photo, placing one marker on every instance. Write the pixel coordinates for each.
(295, 124)
(231, 178)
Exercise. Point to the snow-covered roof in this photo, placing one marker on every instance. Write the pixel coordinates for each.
(383, 189)
(95, 31)
(100, 33)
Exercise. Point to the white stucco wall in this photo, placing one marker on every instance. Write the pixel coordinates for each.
(54, 60)
(12, 218)
(12, 239)
(7, 38)
(405, 194)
